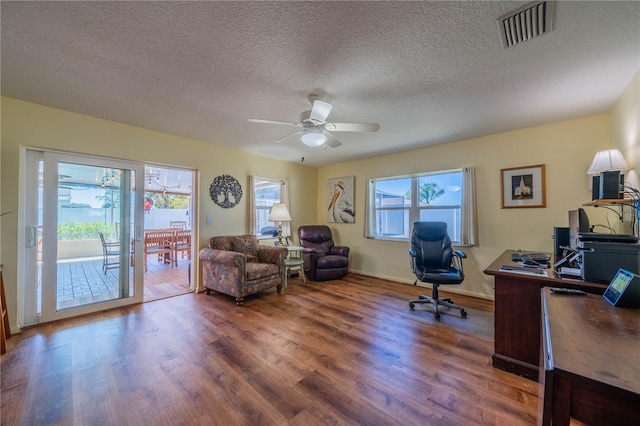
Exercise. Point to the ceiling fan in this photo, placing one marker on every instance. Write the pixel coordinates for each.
(315, 130)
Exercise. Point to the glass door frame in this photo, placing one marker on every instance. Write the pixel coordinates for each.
(49, 308)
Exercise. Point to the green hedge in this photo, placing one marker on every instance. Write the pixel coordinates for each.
(82, 231)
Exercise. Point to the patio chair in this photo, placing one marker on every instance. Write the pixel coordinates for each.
(177, 224)
(182, 244)
(160, 243)
(110, 254)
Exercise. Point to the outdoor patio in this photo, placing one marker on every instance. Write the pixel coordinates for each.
(83, 282)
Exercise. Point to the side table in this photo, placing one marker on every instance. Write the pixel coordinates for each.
(293, 262)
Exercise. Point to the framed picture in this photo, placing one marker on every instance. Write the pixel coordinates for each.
(340, 207)
(523, 187)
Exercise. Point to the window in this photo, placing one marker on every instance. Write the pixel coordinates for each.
(265, 193)
(396, 202)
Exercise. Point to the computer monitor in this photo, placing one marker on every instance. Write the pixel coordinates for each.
(578, 222)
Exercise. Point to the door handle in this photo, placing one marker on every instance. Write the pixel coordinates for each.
(31, 236)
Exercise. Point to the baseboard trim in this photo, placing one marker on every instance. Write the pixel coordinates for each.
(448, 289)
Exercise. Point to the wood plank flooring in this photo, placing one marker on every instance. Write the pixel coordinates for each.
(338, 352)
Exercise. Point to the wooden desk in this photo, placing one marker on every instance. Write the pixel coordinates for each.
(517, 315)
(590, 363)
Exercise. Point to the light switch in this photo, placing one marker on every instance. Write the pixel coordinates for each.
(209, 220)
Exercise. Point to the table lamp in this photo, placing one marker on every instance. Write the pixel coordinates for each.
(279, 213)
(605, 168)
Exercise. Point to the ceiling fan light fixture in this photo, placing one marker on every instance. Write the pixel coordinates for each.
(320, 111)
(313, 138)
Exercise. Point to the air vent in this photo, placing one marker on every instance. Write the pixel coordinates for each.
(527, 22)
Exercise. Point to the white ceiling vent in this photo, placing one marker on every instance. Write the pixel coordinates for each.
(527, 22)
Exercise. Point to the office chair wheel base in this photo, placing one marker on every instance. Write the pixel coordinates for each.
(412, 306)
(463, 313)
(437, 314)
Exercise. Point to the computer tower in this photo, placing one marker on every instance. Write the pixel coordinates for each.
(560, 239)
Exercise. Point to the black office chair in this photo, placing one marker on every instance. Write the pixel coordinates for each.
(435, 262)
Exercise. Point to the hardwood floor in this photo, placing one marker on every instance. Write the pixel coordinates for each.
(338, 352)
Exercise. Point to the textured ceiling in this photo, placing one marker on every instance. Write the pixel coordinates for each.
(428, 72)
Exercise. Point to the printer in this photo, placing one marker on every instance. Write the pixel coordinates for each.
(604, 254)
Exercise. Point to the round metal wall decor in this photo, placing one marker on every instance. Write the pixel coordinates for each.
(225, 191)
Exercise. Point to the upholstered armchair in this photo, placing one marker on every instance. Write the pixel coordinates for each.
(324, 260)
(238, 266)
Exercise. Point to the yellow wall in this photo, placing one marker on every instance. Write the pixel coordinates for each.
(31, 125)
(625, 128)
(566, 148)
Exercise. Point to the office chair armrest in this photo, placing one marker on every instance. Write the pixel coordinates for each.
(412, 259)
(457, 259)
(460, 254)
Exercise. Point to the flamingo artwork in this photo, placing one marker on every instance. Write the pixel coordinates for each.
(340, 207)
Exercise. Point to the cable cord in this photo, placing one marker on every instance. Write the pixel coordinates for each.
(634, 194)
(611, 230)
(613, 210)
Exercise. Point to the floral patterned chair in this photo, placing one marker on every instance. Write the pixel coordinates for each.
(238, 266)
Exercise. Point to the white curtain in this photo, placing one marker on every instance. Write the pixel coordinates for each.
(469, 228)
(252, 205)
(370, 209)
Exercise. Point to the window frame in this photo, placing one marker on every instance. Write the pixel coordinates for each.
(413, 209)
(281, 198)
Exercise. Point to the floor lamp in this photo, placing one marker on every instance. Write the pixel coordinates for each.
(279, 213)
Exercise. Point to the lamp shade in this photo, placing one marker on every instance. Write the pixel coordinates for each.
(313, 138)
(609, 160)
(279, 213)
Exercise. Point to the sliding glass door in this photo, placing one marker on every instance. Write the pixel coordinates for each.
(83, 235)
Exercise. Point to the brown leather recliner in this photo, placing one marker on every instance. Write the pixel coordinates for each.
(326, 261)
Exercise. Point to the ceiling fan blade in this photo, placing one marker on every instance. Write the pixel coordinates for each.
(286, 123)
(288, 136)
(352, 127)
(332, 141)
(320, 111)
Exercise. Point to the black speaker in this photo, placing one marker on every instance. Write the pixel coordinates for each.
(609, 187)
(595, 187)
(560, 238)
